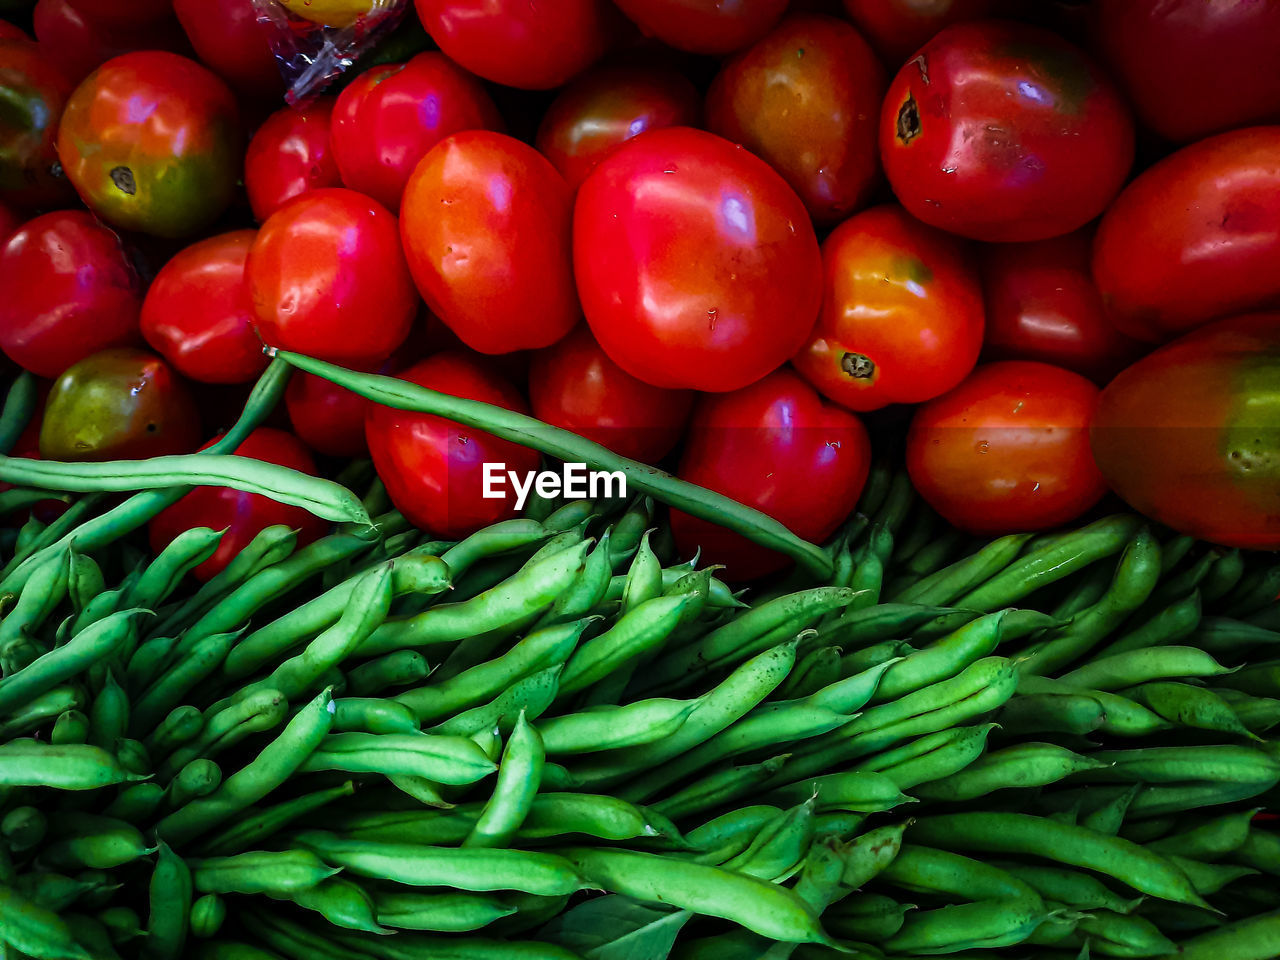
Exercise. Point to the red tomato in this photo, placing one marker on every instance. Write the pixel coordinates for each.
(78, 44)
(1196, 236)
(575, 385)
(434, 468)
(806, 98)
(486, 230)
(778, 447)
(1007, 451)
(535, 46)
(901, 317)
(242, 515)
(390, 116)
(608, 106)
(1042, 305)
(35, 92)
(27, 446)
(326, 417)
(1191, 68)
(704, 26)
(69, 290)
(696, 264)
(898, 28)
(327, 278)
(152, 142)
(232, 42)
(130, 14)
(289, 155)
(11, 31)
(197, 312)
(1003, 131)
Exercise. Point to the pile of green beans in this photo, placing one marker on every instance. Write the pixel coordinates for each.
(557, 739)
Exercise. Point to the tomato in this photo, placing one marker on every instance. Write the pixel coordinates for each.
(898, 28)
(131, 14)
(704, 26)
(78, 44)
(535, 46)
(290, 154)
(70, 290)
(35, 92)
(327, 278)
(11, 31)
(608, 106)
(681, 241)
(1190, 434)
(119, 404)
(9, 223)
(197, 312)
(391, 115)
(152, 142)
(232, 42)
(1007, 451)
(902, 314)
(1003, 131)
(27, 446)
(1042, 305)
(776, 446)
(575, 385)
(326, 417)
(242, 515)
(1190, 68)
(1196, 236)
(806, 98)
(433, 468)
(486, 230)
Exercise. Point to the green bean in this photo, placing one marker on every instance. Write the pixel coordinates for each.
(818, 668)
(399, 668)
(1225, 762)
(1210, 841)
(273, 872)
(942, 659)
(35, 930)
(208, 914)
(182, 725)
(170, 907)
(44, 593)
(109, 716)
(1223, 635)
(866, 916)
(40, 710)
(1254, 938)
(26, 763)
(1227, 570)
(199, 778)
(1175, 622)
(167, 691)
(1210, 878)
(1073, 713)
(97, 843)
(1257, 714)
(71, 728)
(257, 826)
(533, 694)
(23, 828)
(1075, 888)
(20, 404)
(1189, 706)
(1021, 765)
(163, 575)
(372, 715)
(609, 728)
(1109, 817)
(857, 791)
(294, 940)
(779, 849)
(640, 630)
(451, 760)
(985, 924)
(1138, 666)
(439, 912)
(886, 621)
(719, 787)
(137, 803)
(868, 855)
(932, 871)
(519, 777)
(343, 903)
(953, 581)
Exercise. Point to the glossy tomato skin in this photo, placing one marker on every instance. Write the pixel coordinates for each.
(434, 468)
(902, 314)
(231, 41)
(1190, 434)
(1190, 68)
(608, 106)
(806, 98)
(1007, 451)
(704, 26)
(1196, 236)
(390, 116)
(575, 385)
(534, 46)
(78, 44)
(35, 93)
(152, 142)
(242, 515)
(776, 446)
(289, 155)
(119, 404)
(131, 14)
(1005, 132)
(11, 31)
(486, 230)
(326, 277)
(69, 290)
(197, 313)
(898, 28)
(326, 417)
(1042, 305)
(679, 241)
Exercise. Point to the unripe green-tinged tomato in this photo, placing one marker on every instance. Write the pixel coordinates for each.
(32, 95)
(1190, 434)
(152, 142)
(121, 404)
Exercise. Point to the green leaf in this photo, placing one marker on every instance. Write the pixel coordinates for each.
(617, 928)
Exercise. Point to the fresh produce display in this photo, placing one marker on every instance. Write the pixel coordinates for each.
(639, 480)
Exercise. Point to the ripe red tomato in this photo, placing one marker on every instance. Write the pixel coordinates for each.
(242, 515)
(69, 290)
(607, 106)
(1190, 435)
(197, 312)
(326, 417)
(898, 28)
(131, 14)
(1191, 68)
(391, 115)
(902, 314)
(779, 447)
(681, 244)
(434, 468)
(289, 155)
(232, 42)
(327, 278)
(1196, 236)
(78, 44)
(806, 98)
(704, 26)
(486, 230)
(1003, 131)
(1042, 305)
(35, 92)
(575, 385)
(535, 46)
(152, 142)
(11, 31)
(1007, 451)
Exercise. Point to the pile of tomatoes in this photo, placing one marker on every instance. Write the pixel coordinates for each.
(752, 242)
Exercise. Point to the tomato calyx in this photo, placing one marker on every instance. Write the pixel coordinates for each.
(858, 366)
(908, 120)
